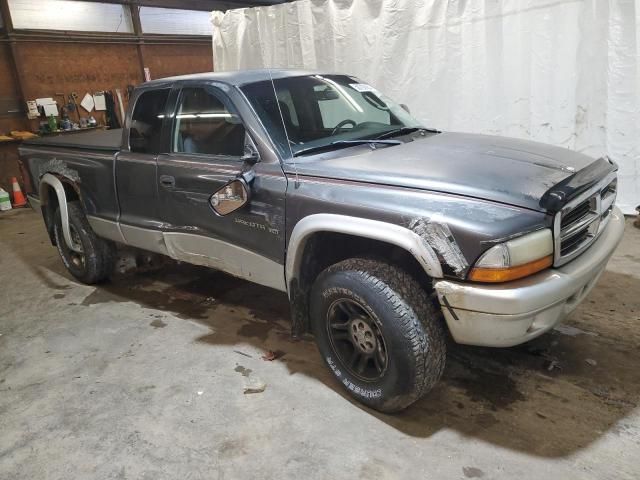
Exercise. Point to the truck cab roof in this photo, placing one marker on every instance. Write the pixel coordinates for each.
(234, 77)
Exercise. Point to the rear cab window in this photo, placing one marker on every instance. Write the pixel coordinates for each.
(145, 128)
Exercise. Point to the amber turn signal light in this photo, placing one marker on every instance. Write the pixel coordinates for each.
(495, 275)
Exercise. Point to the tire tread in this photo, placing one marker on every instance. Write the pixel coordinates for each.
(100, 258)
(421, 320)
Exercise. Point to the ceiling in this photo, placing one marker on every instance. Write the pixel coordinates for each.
(207, 5)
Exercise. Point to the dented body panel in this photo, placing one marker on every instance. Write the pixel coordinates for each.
(507, 315)
(499, 169)
(458, 229)
(89, 173)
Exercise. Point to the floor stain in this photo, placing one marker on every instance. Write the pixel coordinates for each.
(472, 472)
(145, 388)
(486, 420)
(256, 329)
(245, 372)
(232, 448)
(192, 292)
(632, 258)
(177, 298)
(497, 389)
(158, 323)
(58, 296)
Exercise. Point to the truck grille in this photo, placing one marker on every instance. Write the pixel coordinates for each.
(580, 222)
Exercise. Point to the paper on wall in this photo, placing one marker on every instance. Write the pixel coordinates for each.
(50, 109)
(43, 101)
(32, 109)
(99, 101)
(49, 106)
(87, 102)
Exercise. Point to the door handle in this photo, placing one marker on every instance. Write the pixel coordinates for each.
(167, 181)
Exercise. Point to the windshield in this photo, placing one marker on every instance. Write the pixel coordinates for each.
(319, 110)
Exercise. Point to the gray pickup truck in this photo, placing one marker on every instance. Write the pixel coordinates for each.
(385, 234)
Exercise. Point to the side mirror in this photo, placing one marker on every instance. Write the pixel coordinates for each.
(230, 198)
(405, 108)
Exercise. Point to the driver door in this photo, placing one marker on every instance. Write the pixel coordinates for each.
(206, 151)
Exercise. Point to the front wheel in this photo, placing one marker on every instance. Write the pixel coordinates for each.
(92, 258)
(378, 332)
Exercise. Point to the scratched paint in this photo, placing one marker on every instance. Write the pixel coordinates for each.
(58, 166)
(438, 236)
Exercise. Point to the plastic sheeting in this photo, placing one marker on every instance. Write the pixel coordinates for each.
(564, 72)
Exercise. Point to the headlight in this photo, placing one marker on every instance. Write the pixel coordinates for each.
(514, 259)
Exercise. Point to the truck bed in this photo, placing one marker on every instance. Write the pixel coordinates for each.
(85, 159)
(108, 140)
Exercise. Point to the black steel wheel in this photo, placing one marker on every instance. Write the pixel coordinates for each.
(357, 339)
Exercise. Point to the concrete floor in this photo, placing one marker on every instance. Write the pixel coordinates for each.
(143, 378)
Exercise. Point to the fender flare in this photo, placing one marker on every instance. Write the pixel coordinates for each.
(51, 180)
(358, 227)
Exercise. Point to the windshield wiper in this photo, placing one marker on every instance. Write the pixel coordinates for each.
(346, 143)
(405, 131)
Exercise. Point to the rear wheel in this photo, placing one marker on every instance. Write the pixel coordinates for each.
(378, 332)
(92, 258)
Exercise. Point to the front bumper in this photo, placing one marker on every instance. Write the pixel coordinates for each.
(515, 312)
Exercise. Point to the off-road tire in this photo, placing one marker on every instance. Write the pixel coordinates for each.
(410, 324)
(99, 254)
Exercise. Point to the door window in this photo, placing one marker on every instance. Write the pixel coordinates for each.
(146, 121)
(205, 125)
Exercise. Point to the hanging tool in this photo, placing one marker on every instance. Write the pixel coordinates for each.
(73, 104)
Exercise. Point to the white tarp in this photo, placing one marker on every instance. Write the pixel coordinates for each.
(565, 72)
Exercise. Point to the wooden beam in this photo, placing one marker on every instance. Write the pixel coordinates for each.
(6, 16)
(201, 5)
(16, 60)
(137, 31)
(59, 36)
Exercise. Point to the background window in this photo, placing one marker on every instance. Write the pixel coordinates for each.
(146, 121)
(173, 21)
(70, 15)
(204, 125)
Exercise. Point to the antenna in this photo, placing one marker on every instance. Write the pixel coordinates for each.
(286, 134)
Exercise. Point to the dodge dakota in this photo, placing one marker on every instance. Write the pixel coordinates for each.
(387, 236)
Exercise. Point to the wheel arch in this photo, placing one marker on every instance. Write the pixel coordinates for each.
(55, 191)
(349, 235)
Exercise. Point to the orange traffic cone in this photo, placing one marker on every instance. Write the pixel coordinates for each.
(18, 196)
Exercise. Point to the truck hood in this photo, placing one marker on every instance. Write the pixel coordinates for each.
(505, 170)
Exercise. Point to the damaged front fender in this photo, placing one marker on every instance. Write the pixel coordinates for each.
(436, 234)
(397, 235)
